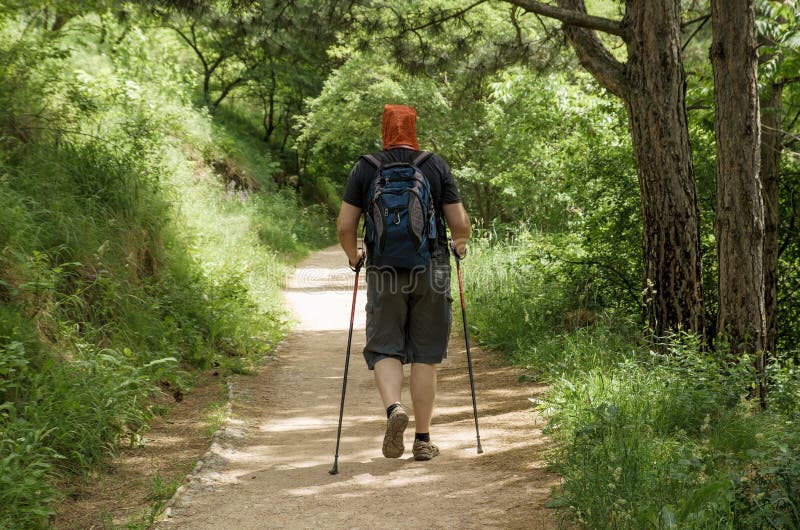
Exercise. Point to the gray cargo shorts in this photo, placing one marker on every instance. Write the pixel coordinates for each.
(409, 313)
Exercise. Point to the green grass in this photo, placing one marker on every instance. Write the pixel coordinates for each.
(642, 440)
(557, 324)
(215, 416)
(159, 489)
(125, 264)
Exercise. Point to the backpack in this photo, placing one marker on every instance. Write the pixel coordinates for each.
(400, 220)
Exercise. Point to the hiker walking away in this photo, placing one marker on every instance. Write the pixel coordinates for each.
(406, 195)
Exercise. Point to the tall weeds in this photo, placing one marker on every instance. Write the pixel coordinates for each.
(642, 440)
(127, 260)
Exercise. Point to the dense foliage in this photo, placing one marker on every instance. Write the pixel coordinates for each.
(544, 161)
(139, 241)
(150, 159)
(644, 439)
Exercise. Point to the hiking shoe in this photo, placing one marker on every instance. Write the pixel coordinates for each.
(395, 426)
(424, 450)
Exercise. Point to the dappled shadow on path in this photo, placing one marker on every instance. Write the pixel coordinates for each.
(272, 470)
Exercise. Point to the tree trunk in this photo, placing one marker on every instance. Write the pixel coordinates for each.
(287, 125)
(269, 109)
(656, 105)
(739, 226)
(652, 84)
(60, 21)
(207, 87)
(770, 107)
(268, 121)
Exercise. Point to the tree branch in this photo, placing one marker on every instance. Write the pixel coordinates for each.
(702, 18)
(227, 90)
(573, 17)
(451, 16)
(789, 81)
(515, 23)
(702, 104)
(593, 55)
(695, 32)
(218, 61)
(192, 44)
(790, 143)
(793, 121)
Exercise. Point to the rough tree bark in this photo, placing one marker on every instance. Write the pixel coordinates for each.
(656, 107)
(652, 85)
(770, 107)
(739, 226)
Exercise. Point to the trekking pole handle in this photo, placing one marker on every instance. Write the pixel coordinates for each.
(360, 263)
(455, 252)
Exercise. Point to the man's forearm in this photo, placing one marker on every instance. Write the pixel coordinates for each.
(460, 227)
(347, 230)
(349, 242)
(460, 238)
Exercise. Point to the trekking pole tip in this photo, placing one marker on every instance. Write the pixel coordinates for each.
(334, 470)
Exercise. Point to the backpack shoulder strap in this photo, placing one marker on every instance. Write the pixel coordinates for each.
(421, 157)
(373, 160)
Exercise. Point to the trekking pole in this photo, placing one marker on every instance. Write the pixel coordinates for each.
(335, 469)
(466, 339)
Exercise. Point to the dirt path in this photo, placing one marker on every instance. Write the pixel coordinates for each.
(270, 470)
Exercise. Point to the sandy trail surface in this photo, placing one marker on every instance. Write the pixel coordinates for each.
(270, 467)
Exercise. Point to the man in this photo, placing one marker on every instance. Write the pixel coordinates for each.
(408, 310)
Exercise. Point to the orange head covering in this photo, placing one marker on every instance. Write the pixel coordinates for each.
(399, 127)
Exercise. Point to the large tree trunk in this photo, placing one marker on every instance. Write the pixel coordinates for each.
(770, 107)
(739, 226)
(652, 84)
(655, 101)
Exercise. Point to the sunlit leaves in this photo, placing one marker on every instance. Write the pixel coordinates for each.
(778, 26)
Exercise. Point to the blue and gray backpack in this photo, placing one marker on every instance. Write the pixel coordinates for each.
(400, 220)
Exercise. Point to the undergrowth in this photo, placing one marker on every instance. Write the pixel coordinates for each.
(140, 241)
(643, 440)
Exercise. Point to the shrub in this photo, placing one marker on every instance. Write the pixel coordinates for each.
(641, 440)
(672, 442)
(124, 265)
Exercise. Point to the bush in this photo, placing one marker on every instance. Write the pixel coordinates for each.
(124, 263)
(673, 442)
(642, 440)
(562, 326)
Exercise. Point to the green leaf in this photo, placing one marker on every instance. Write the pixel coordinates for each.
(702, 496)
(667, 517)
